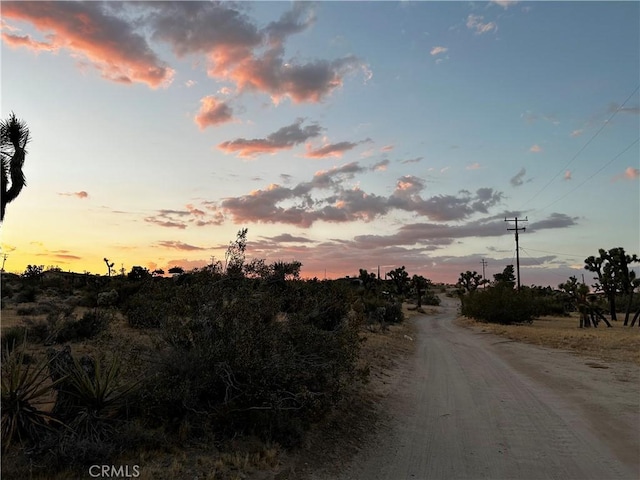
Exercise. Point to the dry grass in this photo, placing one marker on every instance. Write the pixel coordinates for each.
(618, 344)
(10, 318)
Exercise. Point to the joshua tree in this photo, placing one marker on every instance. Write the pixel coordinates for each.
(470, 281)
(400, 279)
(109, 266)
(14, 138)
(614, 276)
(420, 284)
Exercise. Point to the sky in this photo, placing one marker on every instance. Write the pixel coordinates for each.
(343, 135)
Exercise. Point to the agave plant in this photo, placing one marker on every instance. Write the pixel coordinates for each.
(14, 136)
(25, 386)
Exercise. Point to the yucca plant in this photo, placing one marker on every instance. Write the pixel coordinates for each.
(99, 396)
(25, 386)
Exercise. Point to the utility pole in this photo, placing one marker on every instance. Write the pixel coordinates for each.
(516, 229)
(484, 264)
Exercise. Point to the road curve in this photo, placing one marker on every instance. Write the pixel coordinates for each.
(476, 406)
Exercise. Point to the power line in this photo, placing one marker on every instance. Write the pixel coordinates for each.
(589, 178)
(540, 264)
(583, 147)
(558, 253)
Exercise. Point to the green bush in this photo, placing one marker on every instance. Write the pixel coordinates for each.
(90, 325)
(393, 312)
(500, 304)
(379, 309)
(430, 298)
(151, 305)
(26, 295)
(241, 365)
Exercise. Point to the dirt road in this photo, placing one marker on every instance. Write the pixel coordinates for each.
(470, 405)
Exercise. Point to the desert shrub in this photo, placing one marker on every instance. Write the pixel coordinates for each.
(107, 299)
(37, 309)
(500, 304)
(89, 408)
(26, 295)
(549, 305)
(393, 312)
(25, 310)
(89, 325)
(65, 450)
(430, 298)
(238, 366)
(622, 301)
(38, 331)
(88, 298)
(379, 309)
(13, 337)
(7, 291)
(141, 313)
(151, 305)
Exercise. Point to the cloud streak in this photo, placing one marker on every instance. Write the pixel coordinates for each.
(81, 194)
(330, 150)
(517, 179)
(283, 139)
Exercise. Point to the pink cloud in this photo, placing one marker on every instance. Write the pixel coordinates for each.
(330, 150)
(81, 194)
(109, 36)
(535, 149)
(191, 215)
(505, 3)
(576, 133)
(438, 50)
(309, 82)
(473, 166)
(176, 245)
(474, 22)
(212, 112)
(567, 175)
(26, 41)
(282, 139)
(380, 166)
(252, 58)
(109, 43)
(630, 173)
